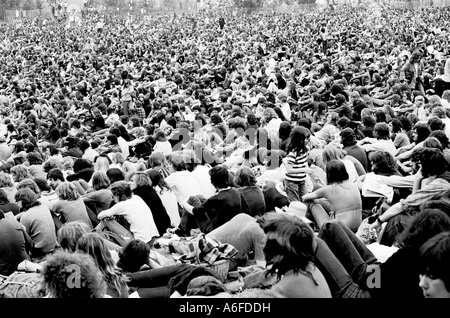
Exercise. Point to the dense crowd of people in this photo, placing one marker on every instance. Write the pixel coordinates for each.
(309, 150)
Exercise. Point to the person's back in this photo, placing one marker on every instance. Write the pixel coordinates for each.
(159, 213)
(245, 234)
(74, 210)
(343, 196)
(201, 174)
(358, 153)
(39, 225)
(10, 207)
(12, 245)
(138, 215)
(252, 200)
(169, 200)
(218, 209)
(183, 184)
(100, 199)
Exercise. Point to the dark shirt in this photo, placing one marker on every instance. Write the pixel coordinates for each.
(273, 198)
(218, 209)
(398, 277)
(160, 216)
(252, 200)
(10, 207)
(73, 152)
(142, 150)
(12, 246)
(359, 153)
(367, 131)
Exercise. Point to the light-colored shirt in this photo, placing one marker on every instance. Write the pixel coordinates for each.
(138, 215)
(183, 184)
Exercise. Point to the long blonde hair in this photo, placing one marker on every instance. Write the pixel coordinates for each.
(94, 245)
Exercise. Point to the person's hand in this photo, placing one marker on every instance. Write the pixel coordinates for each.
(375, 226)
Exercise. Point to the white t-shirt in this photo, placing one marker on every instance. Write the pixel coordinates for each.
(163, 147)
(201, 174)
(169, 201)
(138, 214)
(183, 184)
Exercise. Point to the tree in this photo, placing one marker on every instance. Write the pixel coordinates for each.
(39, 5)
(248, 3)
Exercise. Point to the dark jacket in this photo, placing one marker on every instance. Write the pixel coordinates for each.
(252, 200)
(160, 216)
(398, 277)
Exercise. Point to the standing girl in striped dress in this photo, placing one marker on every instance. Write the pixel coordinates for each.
(296, 163)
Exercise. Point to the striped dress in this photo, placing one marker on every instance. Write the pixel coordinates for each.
(297, 161)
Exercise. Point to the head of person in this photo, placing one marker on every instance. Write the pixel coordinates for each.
(55, 176)
(424, 226)
(95, 245)
(432, 142)
(289, 243)
(396, 125)
(81, 164)
(3, 197)
(67, 191)
(332, 118)
(100, 180)
(432, 161)
(336, 172)
(20, 172)
(73, 275)
(115, 174)
(421, 132)
(206, 285)
(348, 137)
(121, 191)
(383, 162)
(157, 159)
(435, 123)
(30, 184)
(133, 256)
(34, 158)
(5, 180)
(69, 233)
(117, 158)
(381, 131)
(415, 56)
(176, 159)
(220, 177)
(299, 139)
(112, 139)
(434, 262)
(442, 137)
(331, 152)
(26, 199)
(157, 179)
(244, 177)
(102, 163)
(139, 179)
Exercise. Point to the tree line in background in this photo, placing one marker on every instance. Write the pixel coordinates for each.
(23, 4)
(260, 3)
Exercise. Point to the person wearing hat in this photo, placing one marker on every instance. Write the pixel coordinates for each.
(72, 150)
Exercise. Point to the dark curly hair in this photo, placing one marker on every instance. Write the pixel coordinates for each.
(424, 226)
(133, 256)
(289, 245)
